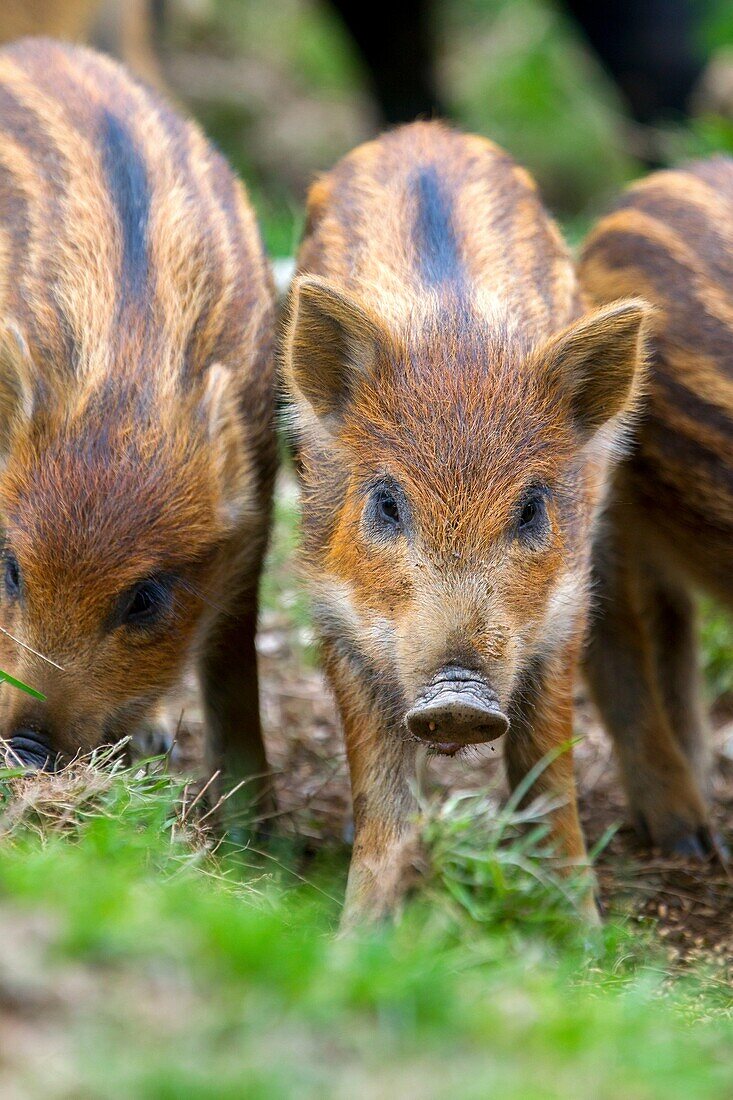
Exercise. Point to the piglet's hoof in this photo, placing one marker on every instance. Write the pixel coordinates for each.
(702, 845)
(154, 738)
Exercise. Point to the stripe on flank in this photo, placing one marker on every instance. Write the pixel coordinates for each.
(631, 240)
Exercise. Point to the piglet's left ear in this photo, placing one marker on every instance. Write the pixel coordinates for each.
(220, 408)
(599, 362)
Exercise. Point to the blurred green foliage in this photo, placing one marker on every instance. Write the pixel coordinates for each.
(517, 71)
(716, 27)
(717, 648)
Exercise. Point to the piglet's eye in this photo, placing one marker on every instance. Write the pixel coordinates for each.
(532, 514)
(12, 576)
(146, 603)
(529, 513)
(387, 508)
(385, 512)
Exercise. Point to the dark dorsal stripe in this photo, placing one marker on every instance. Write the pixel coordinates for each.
(128, 184)
(436, 247)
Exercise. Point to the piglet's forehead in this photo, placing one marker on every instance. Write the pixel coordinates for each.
(68, 514)
(462, 456)
(443, 398)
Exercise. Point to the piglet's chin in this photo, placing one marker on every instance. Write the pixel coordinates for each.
(456, 709)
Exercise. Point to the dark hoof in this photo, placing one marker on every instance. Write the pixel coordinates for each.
(680, 841)
(640, 827)
(700, 846)
(692, 846)
(722, 848)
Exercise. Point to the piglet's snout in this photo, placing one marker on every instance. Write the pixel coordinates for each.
(456, 709)
(30, 748)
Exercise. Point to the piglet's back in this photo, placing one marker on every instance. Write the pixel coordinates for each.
(126, 243)
(394, 225)
(670, 239)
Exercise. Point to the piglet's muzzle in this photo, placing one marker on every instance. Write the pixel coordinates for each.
(456, 709)
(30, 749)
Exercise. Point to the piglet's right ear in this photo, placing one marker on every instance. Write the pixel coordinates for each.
(331, 343)
(598, 362)
(16, 386)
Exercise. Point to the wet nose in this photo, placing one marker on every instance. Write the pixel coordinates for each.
(457, 710)
(31, 748)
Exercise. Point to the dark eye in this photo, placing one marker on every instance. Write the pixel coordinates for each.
(145, 604)
(529, 513)
(386, 512)
(532, 513)
(387, 509)
(12, 577)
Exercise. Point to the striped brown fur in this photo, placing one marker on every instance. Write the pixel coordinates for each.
(136, 402)
(670, 528)
(444, 387)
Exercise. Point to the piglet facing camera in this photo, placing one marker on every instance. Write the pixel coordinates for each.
(457, 412)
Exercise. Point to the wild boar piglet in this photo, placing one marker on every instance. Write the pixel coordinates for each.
(669, 528)
(136, 412)
(456, 414)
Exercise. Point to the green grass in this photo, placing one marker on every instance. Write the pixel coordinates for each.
(170, 971)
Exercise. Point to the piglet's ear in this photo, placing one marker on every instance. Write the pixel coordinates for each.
(16, 385)
(331, 343)
(599, 362)
(220, 407)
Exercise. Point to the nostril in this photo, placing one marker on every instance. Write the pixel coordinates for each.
(30, 748)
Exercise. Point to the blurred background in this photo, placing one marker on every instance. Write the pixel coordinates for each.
(587, 93)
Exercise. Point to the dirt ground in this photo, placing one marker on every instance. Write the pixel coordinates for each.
(690, 905)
